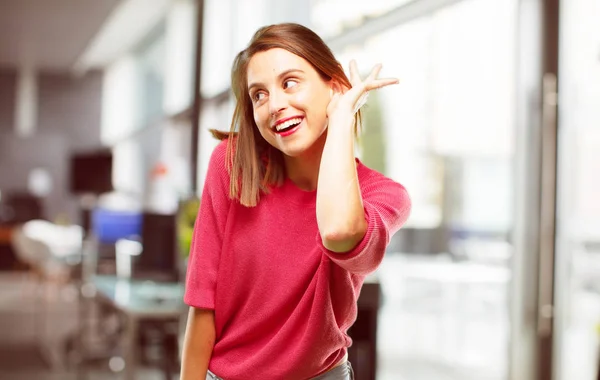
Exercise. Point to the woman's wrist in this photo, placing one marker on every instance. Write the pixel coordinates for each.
(341, 121)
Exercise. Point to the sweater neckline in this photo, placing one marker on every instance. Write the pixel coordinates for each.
(296, 195)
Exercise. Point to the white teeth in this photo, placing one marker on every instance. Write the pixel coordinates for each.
(288, 123)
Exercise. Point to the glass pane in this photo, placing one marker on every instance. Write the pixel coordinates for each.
(151, 60)
(446, 133)
(578, 251)
(216, 55)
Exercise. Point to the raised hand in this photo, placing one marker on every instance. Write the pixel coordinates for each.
(347, 101)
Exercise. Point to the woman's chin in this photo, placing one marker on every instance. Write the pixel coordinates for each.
(293, 152)
(301, 144)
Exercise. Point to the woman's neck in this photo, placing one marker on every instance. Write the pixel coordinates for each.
(304, 170)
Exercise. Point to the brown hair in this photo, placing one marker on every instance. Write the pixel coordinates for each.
(255, 165)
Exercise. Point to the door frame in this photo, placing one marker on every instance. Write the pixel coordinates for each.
(532, 291)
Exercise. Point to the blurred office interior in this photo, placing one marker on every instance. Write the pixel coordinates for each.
(105, 108)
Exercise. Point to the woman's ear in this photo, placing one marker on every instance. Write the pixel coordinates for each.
(334, 87)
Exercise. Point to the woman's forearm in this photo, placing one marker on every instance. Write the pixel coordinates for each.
(340, 213)
(198, 344)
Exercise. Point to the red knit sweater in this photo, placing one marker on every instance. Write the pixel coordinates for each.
(282, 301)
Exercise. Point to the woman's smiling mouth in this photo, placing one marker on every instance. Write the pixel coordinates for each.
(286, 127)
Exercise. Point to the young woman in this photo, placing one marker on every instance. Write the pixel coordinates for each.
(290, 222)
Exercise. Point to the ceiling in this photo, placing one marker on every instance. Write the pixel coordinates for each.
(49, 34)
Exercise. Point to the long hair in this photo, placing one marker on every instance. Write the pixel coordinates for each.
(254, 165)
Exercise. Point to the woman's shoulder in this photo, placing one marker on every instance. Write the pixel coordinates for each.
(217, 166)
(220, 154)
(369, 177)
(220, 150)
(375, 185)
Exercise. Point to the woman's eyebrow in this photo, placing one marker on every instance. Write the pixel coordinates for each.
(281, 75)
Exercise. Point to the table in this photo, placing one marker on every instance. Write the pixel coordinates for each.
(139, 300)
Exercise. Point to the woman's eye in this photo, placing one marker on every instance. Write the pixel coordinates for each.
(258, 96)
(289, 83)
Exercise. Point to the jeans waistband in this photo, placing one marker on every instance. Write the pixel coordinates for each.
(342, 372)
(212, 376)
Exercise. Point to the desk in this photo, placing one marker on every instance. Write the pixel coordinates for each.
(139, 300)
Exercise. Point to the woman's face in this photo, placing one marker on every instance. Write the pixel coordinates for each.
(289, 99)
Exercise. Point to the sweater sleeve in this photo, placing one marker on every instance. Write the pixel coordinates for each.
(209, 228)
(387, 207)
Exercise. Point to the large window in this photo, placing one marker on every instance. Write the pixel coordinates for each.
(446, 132)
(448, 126)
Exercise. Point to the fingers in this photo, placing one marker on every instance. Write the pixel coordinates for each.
(379, 83)
(374, 72)
(371, 82)
(359, 90)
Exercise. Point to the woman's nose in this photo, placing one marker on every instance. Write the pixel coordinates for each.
(277, 103)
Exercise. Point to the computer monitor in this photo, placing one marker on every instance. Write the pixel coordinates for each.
(91, 172)
(159, 259)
